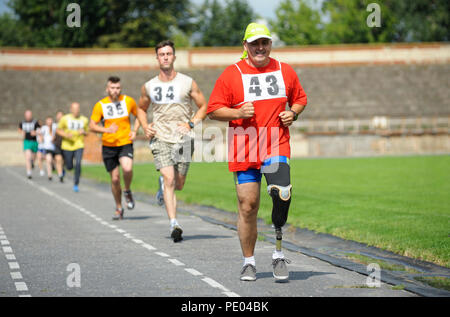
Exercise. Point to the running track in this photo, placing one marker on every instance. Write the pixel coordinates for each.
(55, 242)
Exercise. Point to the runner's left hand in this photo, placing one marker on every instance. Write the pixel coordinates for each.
(287, 117)
(183, 128)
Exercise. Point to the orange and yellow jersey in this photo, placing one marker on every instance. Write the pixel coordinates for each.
(115, 112)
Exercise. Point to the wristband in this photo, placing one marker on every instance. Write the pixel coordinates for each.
(191, 124)
(295, 114)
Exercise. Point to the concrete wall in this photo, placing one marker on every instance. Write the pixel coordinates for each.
(301, 145)
(84, 59)
(353, 82)
(334, 92)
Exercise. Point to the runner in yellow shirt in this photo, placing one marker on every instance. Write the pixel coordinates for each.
(117, 139)
(73, 127)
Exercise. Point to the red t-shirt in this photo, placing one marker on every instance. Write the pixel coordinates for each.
(269, 88)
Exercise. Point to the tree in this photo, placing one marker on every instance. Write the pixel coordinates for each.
(421, 20)
(104, 23)
(348, 22)
(297, 23)
(146, 23)
(223, 26)
(46, 21)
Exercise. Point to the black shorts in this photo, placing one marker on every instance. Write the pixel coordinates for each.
(111, 155)
(58, 150)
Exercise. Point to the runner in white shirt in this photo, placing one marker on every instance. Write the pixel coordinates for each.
(47, 133)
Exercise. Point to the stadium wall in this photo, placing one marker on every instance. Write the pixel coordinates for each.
(348, 86)
(141, 59)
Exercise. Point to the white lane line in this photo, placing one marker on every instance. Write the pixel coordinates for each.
(13, 265)
(10, 257)
(16, 276)
(176, 262)
(21, 286)
(193, 272)
(4, 242)
(231, 294)
(3, 237)
(215, 284)
(7, 250)
(148, 246)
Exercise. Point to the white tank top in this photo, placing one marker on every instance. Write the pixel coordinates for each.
(171, 104)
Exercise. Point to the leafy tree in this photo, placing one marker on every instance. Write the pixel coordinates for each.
(146, 23)
(348, 22)
(421, 20)
(297, 23)
(223, 26)
(46, 21)
(104, 23)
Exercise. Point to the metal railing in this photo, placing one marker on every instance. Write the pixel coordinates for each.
(377, 125)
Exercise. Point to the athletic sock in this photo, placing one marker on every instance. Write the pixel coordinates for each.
(277, 255)
(173, 223)
(249, 260)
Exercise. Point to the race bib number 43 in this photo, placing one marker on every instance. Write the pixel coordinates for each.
(263, 86)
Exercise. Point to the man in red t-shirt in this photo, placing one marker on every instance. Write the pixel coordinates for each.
(252, 95)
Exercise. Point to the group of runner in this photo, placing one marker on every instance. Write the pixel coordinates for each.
(58, 143)
(251, 94)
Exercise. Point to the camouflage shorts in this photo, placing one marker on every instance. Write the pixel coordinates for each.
(178, 155)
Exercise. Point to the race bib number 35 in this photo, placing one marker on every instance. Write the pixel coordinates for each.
(263, 86)
(115, 110)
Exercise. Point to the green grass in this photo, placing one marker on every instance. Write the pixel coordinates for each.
(359, 258)
(435, 281)
(401, 204)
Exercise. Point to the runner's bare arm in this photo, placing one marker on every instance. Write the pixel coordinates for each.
(136, 126)
(288, 117)
(22, 132)
(95, 127)
(200, 101)
(228, 114)
(144, 103)
(63, 134)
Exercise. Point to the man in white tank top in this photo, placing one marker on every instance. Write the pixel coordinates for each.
(170, 94)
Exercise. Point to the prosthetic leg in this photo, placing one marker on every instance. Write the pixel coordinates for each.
(281, 198)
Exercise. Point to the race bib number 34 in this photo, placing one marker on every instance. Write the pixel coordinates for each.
(263, 86)
(165, 93)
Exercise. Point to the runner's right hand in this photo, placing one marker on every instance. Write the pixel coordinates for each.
(112, 128)
(150, 132)
(247, 110)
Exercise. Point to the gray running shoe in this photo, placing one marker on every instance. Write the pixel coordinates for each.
(248, 273)
(118, 215)
(160, 193)
(280, 271)
(129, 199)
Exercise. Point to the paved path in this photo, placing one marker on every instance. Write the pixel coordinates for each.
(55, 242)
